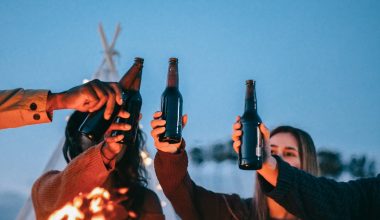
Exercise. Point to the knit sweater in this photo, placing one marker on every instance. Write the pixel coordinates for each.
(311, 197)
(192, 202)
(87, 171)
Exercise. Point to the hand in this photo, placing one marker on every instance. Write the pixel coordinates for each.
(237, 133)
(88, 97)
(269, 170)
(158, 126)
(111, 147)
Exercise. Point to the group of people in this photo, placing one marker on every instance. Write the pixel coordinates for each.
(287, 187)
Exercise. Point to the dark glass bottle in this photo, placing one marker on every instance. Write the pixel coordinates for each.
(250, 153)
(95, 125)
(171, 106)
(132, 102)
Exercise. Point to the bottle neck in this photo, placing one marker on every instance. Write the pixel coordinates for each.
(134, 74)
(173, 78)
(250, 98)
(137, 82)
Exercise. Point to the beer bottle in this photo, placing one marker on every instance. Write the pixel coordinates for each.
(250, 153)
(95, 125)
(171, 106)
(132, 102)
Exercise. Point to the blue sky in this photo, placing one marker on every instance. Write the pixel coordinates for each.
(316, 64)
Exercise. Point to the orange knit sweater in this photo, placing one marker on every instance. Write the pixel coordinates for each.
(87, 171)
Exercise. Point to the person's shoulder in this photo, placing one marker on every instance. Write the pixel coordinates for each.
(368, 181)
(151, 201)
(149, 193)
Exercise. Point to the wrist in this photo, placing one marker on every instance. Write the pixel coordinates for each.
(269, 170)
(54, 102)
(107, 155)
(181, 147)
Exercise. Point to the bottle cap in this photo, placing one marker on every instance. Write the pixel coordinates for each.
(139, 59)
(173, 60)
(250, 82)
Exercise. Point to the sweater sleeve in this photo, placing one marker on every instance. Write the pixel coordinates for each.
(310, 197)
(54, 189)
(189, 200)
(19, 107)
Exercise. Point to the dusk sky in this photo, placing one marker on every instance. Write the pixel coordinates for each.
(316, 64)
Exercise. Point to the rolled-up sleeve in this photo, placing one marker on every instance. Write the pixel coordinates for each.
(19, 107)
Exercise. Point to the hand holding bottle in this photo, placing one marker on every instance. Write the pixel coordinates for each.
(111, 147)
(88, 97)
(237, 133)
(269, 169)
(158, 128)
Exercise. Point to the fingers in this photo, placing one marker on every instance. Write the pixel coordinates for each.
(114, 139)
(93, 98)
(112, 144)
(112, 147)
(237, 126)
(108, 93)
(116, 88)
(237, 132)
(110, 103)
(265, 131)
(124, 114)
(236, 146)
(100, 94)
(120, 127)
(157, 131)
(165, 146)
(157, 123)
(184, 120)
(236, 135)
(157, 115)
(158, 126)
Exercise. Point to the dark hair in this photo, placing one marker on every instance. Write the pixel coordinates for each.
(131, 164)
(308, 158)
(72, 146)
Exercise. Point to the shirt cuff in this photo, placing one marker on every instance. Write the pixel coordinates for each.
(285, 180)
(35, 103)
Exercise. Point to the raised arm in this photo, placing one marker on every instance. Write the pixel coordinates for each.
(19, 107)
(87, 171)
(189, 200)
(54, 189)
(310, 197)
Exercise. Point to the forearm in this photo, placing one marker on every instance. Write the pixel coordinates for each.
(171, 171)
(310, 197)
(269, 171)
(52, 190)
(189, 200)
